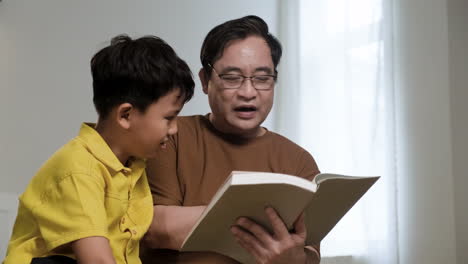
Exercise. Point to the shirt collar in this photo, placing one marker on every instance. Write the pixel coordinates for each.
(99, 148)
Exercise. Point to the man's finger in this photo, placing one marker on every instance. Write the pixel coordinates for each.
(300, 227)
(248, 242)
(256, 230)
(279, 228)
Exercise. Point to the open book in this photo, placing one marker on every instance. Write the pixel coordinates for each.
(325, 200)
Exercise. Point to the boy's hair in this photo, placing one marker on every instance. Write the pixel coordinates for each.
(138, 72)
(241, 28)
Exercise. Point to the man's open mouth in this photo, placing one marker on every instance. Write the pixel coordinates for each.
(245, 109)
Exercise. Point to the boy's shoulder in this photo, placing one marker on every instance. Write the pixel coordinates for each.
(85, 154)
(73, 157)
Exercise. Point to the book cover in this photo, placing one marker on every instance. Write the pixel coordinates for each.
(325, 200)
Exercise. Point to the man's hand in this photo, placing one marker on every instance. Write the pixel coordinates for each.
(277, 248)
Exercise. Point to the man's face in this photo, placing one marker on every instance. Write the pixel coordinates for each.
(240, 111)
(150, 130)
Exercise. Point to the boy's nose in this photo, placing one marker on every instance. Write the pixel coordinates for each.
(172, 127)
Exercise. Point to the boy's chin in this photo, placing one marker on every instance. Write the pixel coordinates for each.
(145, 156)
(150, 155)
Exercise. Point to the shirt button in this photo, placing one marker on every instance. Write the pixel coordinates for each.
(122, 221)
(134, 232)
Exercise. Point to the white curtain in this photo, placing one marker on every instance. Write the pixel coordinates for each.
(336, 99)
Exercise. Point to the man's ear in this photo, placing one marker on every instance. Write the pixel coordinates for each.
(124, 114)
(204, 80)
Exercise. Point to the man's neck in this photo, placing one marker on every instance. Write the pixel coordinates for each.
(246, 134)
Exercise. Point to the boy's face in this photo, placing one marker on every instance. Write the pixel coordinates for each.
(150, 130)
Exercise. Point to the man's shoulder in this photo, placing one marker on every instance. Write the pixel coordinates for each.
(191, 123)
(292, 153)
(284, 142)
(191, 119)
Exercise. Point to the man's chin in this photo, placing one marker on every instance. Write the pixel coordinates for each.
(246, 127)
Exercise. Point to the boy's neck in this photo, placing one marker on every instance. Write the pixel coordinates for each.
(110, 134)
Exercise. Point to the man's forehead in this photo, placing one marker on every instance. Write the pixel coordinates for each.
(251, 52)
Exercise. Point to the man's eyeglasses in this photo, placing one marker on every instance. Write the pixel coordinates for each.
(235, 81)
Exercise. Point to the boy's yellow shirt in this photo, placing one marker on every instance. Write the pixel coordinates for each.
(83, 190)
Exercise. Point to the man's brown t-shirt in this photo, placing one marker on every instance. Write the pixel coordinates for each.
(199, 158)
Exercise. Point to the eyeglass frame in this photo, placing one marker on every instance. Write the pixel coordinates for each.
(274, 76)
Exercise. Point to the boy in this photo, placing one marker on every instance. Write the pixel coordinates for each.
(90, 202)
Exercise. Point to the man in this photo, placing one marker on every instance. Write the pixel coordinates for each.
(239, 59)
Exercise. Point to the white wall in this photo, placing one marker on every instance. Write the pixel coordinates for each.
(8, 205)
(46, 87)
(458, 43)
(425, 183)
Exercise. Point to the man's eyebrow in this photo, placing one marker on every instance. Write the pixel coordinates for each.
(265, 69)
(230, 69)
(268, 70)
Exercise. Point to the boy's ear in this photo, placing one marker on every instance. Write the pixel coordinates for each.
(204, 80)
(124, 114)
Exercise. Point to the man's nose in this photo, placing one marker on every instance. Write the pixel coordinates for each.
(247, 90)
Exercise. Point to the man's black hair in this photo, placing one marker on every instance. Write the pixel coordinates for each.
(138, 72)
(241, 28)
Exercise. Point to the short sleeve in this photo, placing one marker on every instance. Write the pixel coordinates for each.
(162, 176)
(71, 210)
(307, 167)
